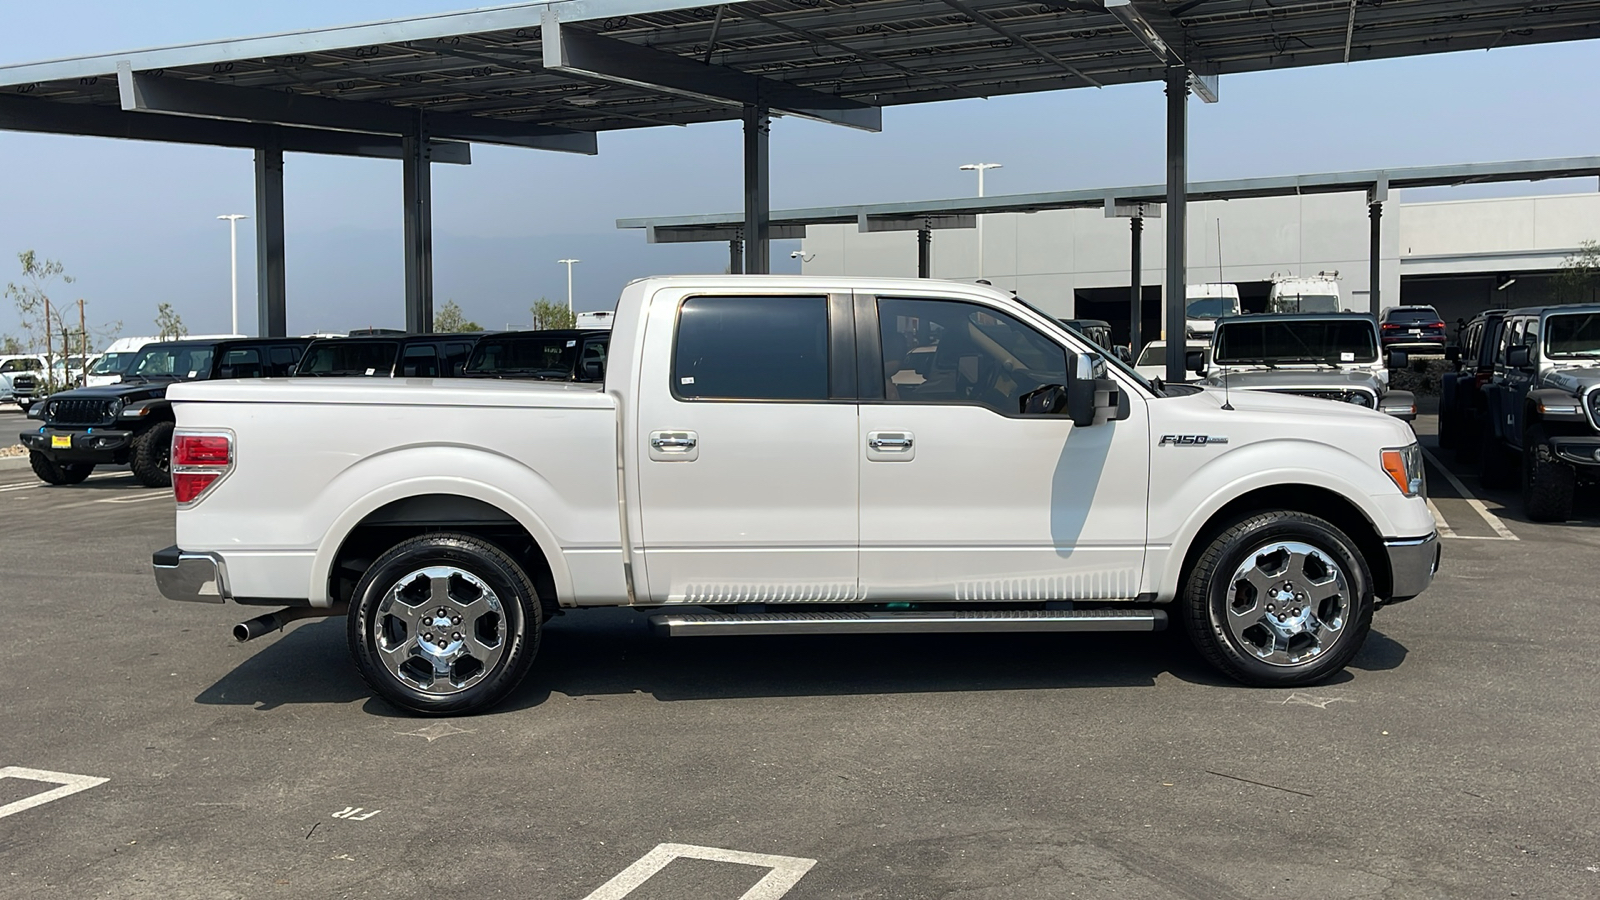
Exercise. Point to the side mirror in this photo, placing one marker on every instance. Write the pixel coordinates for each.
(1091, 396)
(1195, 361)
(594, 370)
(1398, 359)
(1452, 354)
(1519, 358)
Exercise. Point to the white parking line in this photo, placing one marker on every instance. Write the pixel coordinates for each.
(1502, 533)
(140, 499)
(786, 870)
(70, 784)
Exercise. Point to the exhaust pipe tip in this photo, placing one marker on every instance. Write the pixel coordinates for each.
(254, 628)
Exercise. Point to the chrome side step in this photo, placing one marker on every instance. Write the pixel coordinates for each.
(911, 621)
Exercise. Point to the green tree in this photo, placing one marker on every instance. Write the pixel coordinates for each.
(10, 346)
(450, 319)
(547, 315)
(169, 324)
(40, 318)
(1579, 277)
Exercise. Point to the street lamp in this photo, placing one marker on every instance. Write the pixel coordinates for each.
(233, 241)
(568, 263)
(980, 168)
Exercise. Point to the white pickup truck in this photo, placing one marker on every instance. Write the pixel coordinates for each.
(797, 455)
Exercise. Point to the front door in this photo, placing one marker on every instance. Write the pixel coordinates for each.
(747, 476)
(964, 498)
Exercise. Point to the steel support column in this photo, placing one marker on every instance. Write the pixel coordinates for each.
(271, 303)
(418, 191)
(757, 200)
(1136, 308)
(1375, 211)
(924, 252)
(1177, 219)
(736, 256)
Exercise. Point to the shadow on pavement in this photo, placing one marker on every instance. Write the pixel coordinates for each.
(309, 664)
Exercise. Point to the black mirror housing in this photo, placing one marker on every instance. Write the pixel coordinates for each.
(1195, 361)
(1519, 358)
(1452, 354)
(1398, 359)
(1091, 395)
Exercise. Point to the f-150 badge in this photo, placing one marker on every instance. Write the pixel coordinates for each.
(1190, 440)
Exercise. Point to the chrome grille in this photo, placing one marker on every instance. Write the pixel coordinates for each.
(79, 411)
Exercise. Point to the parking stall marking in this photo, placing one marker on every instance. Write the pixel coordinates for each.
(1501, 532)
(786, 870)
(69, 784)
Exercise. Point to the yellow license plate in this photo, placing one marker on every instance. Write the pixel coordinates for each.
(61, 442)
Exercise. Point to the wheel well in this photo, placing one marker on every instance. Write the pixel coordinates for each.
(409, 517)
(1316, 501)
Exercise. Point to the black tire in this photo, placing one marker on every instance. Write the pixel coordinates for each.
(1499, 469)
(1231, 627)
(1548, 484)
(151, 460)
(52, 472)
(380, 615)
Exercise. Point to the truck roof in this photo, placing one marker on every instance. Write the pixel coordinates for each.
(1298, 317)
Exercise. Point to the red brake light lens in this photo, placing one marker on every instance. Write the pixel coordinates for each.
(202, 450)
(186, 486)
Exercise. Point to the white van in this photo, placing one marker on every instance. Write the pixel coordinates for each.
(1312, 294)
(109, 368)
(1204, 304)
(594, 320)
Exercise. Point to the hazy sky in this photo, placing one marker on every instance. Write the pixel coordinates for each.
(136, 221)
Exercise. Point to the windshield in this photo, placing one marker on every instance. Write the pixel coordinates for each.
(184, 361)
(1213, 307)
(358, 358)
(1267, 343)
(1421, 315)
(1155, 354)
(1306, 303)
(1110, 358)
(1573, 336)
(112, 364)
(537, 356)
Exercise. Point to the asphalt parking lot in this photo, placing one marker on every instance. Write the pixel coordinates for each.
(1454, 759)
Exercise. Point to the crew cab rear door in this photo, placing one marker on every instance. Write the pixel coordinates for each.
(747, 476)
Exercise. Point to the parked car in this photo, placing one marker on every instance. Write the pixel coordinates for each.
(556, 355)
(1204, 304)
(1543, 405)
(752, 464)
(21, 378)
(1331, 357)
(1413, 327)
(1311, 294)
(1463, 408)
(388, 356)
(116, 360)
(1099, 332)
(1152, 362)
(131, 422)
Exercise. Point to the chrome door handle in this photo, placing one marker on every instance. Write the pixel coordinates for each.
(666, 440)
(890, 442)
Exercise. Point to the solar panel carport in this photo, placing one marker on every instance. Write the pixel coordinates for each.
(551, 75)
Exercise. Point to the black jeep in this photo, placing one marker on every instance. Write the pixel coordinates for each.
(554, 355)
(1544, 407)
(131, 422)
(1462, 404)
(377, 353)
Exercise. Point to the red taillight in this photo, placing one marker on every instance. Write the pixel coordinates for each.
(198, 462)
(1389, 326)
(202, 450)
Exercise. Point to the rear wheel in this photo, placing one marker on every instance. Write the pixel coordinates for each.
(444, 624)
(1279, 599)
(152, 456)
(52, 472)
(1548, 484)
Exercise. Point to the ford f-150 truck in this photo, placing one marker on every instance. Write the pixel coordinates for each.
(797, 455)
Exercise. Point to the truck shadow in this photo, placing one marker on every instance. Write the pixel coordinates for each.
(611, 652)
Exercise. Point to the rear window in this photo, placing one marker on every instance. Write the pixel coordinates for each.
(752, 348)
(374, 358)
(1411, 316)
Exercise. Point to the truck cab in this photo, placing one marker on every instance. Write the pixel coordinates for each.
(1315, 294)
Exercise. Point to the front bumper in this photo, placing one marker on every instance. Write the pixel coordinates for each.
(1412, 564)
(1580, 451)
(96, 445)
(191, 577)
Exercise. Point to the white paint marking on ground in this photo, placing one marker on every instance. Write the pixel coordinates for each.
(1498, 527)
(20, 487)
(354, 814)
(70, 784)
(786, 870)
(1445, 531)
(159, 495)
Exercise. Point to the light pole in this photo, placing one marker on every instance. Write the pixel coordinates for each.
(568, 263)
(233, 242)
(980, 168)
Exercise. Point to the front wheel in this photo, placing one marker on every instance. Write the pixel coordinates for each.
(52, 472)
(444, 624)
(1279, 599)
(1548, 484)
(151, 460)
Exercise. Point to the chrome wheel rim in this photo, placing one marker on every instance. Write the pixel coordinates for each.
(440, 630)
(1287, 603)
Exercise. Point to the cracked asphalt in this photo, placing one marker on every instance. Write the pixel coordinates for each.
(1456, 758)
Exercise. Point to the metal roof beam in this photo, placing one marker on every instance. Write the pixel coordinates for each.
(208, 100)
(44, 117)
(1016, 37)
(1163, 36)
(592, 56)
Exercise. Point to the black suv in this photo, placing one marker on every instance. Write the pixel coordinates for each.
(555, 355)
(388, 355)
(131, 422)
(1416, 327)
(1462, 405)
(1544, 407)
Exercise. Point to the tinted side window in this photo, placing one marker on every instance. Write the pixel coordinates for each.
(241, 363)
(942, 351)
(420, 361)
(752, 348)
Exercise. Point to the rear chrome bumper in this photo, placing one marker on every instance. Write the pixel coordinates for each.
(191, 577)
(1412, 564)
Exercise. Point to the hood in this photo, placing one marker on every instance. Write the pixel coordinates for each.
(1297, 379)
(1288, 410)
(1576, 379)
(127, 393)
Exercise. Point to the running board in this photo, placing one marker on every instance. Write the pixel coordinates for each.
(918, 621)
